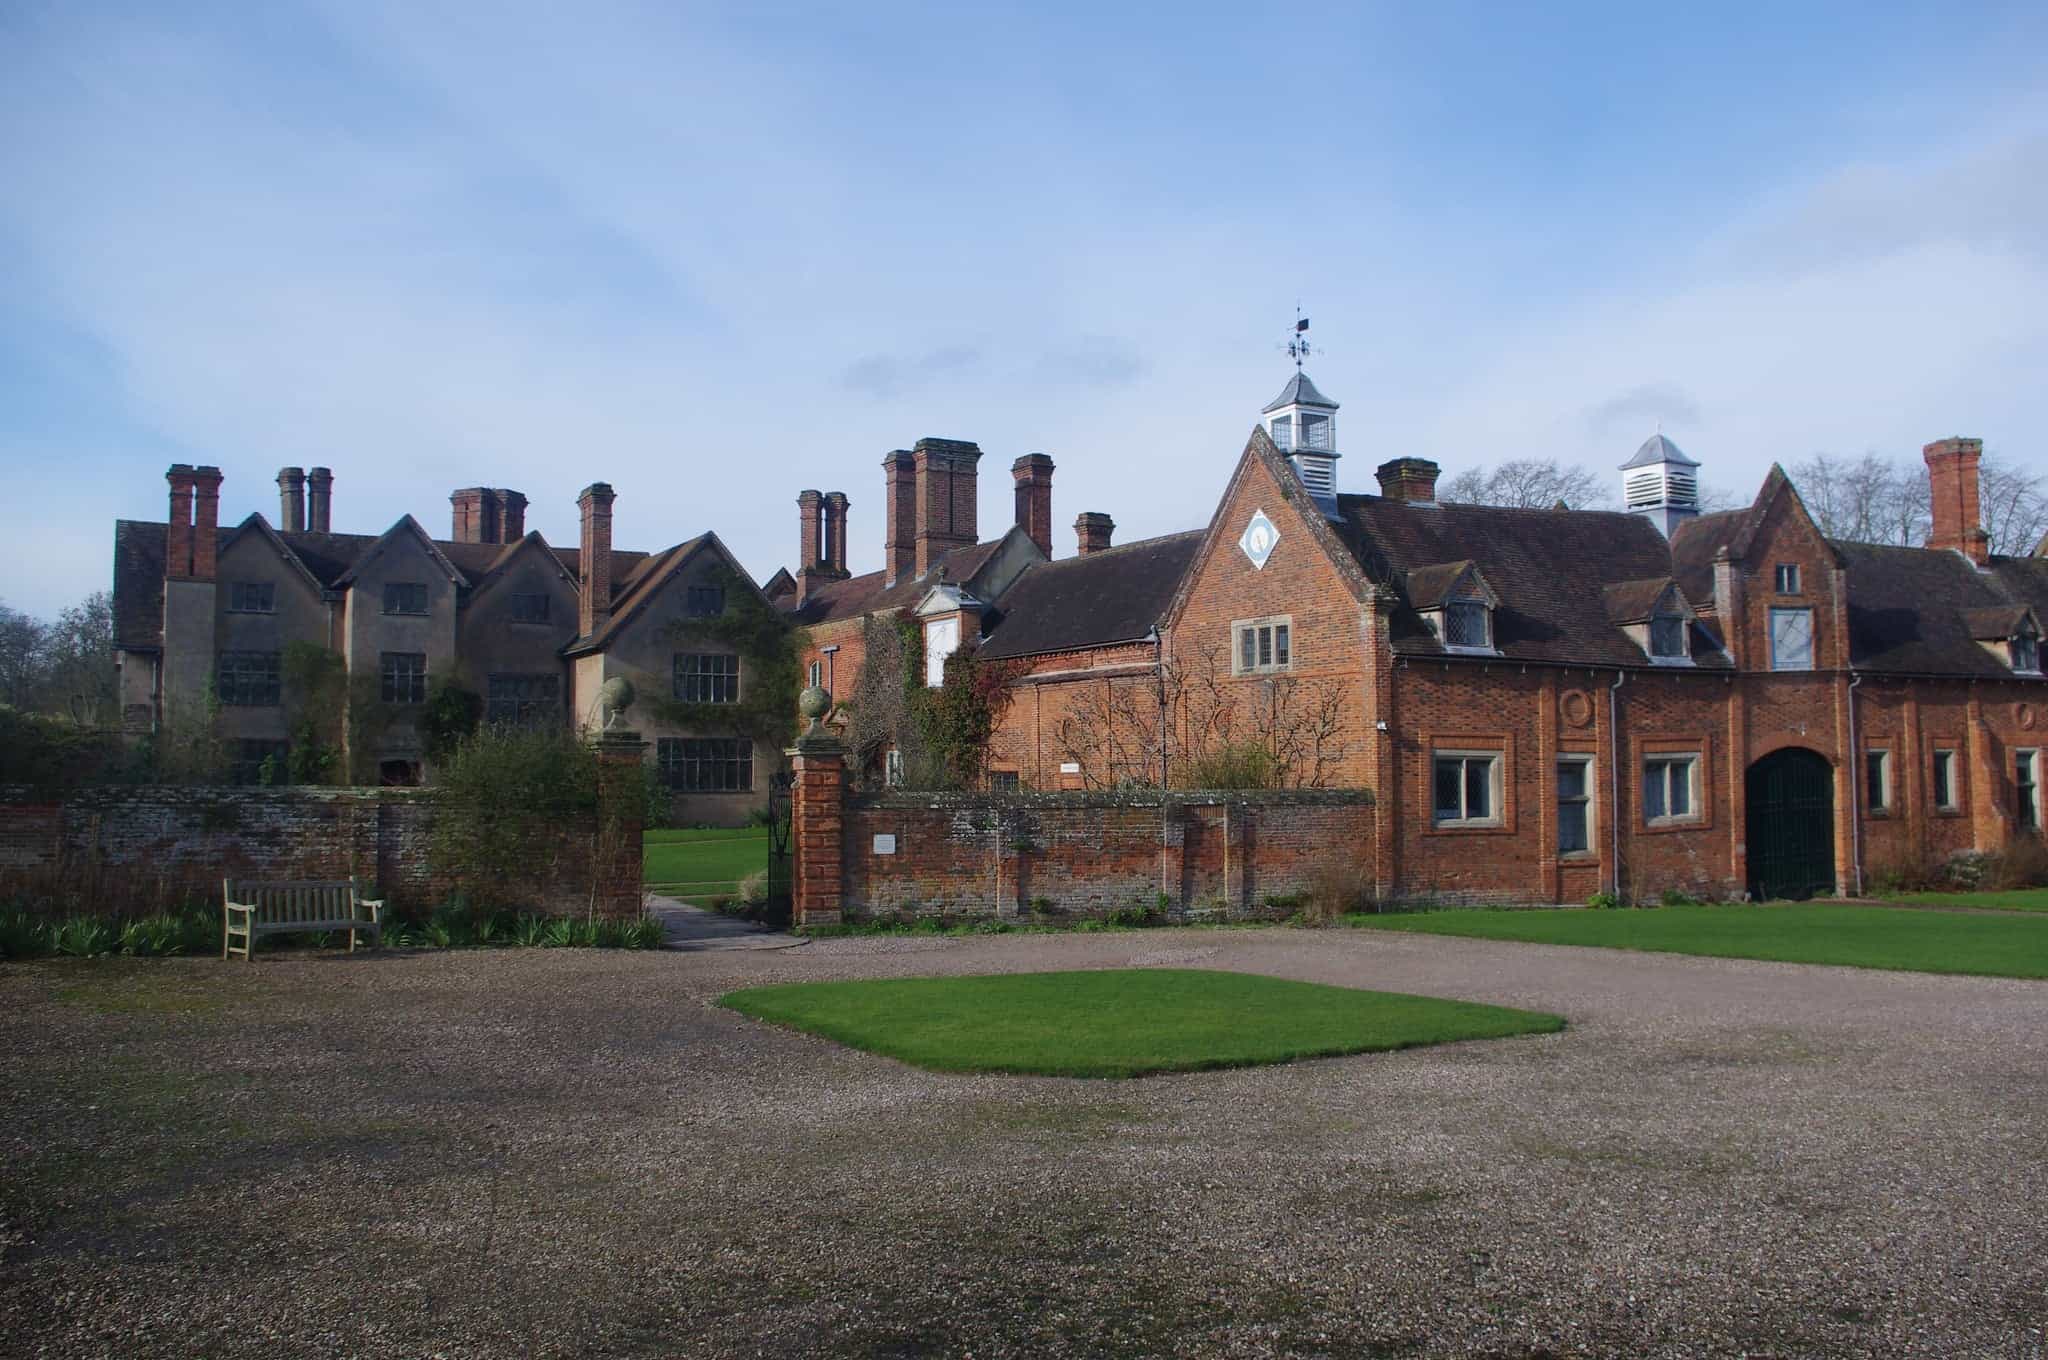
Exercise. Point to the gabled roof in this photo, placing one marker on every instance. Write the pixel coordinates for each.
(646, 582)
(1298, 392)
(1996, 623)
(259, 527)
(330, 559)
(509, 553)
(1115, 595)
(1434, 586)
(407, 527)
(1657, 449)
(1637, 601)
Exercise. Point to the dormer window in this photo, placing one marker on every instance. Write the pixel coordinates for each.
(1667, 637)
(1468, 623)
(2025, 648)
(2011, 634)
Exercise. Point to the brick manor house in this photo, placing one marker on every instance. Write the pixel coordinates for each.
(203, 617)
(1546, 703)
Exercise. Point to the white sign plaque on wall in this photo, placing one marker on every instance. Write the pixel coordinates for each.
(885, 845)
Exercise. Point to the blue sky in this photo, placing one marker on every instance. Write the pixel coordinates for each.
(716, 256)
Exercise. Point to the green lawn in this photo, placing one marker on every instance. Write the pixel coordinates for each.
(1858, 937)
(1121, 1022)
(702, 863)
(2019, 899)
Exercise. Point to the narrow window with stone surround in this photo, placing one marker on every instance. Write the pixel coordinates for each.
(1574, 805)
(1877, 781)
(1945, 781)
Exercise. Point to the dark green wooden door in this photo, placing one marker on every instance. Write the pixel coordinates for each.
(1791, 825)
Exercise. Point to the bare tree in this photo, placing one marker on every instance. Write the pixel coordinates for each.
(1873, 499)
(76, 676)
(1277, 731)
(21, 657)
(1529, 484)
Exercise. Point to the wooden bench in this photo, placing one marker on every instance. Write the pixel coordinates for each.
(253, 909)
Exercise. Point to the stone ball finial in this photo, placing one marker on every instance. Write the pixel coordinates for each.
(614, 697)
(814, 703)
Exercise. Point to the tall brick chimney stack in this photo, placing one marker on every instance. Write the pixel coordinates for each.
(319, 499)
(595, 606)
(1952, 490)
(291, 500)
(1034, 498)
(947, 508)
(835, 532)
(1408, 479)
(178, 535)
(810, 552)
(205, 522)
(466, 514)
(1092, 531)
(511, 516)
(899, 494)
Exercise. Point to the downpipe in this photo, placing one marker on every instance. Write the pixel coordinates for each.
(1614, 782)
(1853, 811)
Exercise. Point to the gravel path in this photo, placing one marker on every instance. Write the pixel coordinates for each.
(573, 1152)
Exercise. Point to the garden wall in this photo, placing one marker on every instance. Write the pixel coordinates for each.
(1087, 854)
(142, 847)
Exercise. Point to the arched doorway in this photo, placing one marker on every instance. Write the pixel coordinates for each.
(1791, 825)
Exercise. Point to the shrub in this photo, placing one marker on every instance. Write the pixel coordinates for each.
(1603, 901)
(753, 889)
(504, 794)
(1337, 886)
(23, 936)
(84, 937)
(1903, 875)
(1968, 869)
(2024, 864)
(153, 937)
(1678, 897)
(1238, 765)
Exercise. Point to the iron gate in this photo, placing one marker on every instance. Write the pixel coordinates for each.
(1791, 825)
(776, 911)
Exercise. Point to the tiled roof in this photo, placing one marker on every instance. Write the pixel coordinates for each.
(1911, 610)
(1632, 601)
(1548, 568)
(867, 593)
(1694, 544)
(1115, 595)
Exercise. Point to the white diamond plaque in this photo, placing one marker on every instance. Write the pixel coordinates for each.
(1259, 539)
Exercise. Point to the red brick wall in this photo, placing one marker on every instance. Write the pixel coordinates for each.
(139, 848)
(1088, 854)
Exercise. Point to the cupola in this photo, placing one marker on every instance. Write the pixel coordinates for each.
(1661, 482)
(1302, 424)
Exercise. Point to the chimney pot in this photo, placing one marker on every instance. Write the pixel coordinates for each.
(1093, 529)
(1412, 480)
(595, 605)
(206, 522)
(319, 498)
(946, 498)
(1957, 516)
(291, 497)
(1034, 498)
(178, 532)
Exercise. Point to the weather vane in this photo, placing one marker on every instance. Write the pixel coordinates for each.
(1297, 345)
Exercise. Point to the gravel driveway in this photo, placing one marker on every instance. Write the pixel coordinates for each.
(572, 1152)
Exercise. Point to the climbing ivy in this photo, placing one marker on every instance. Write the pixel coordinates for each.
(769, 651)
(941, 733)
